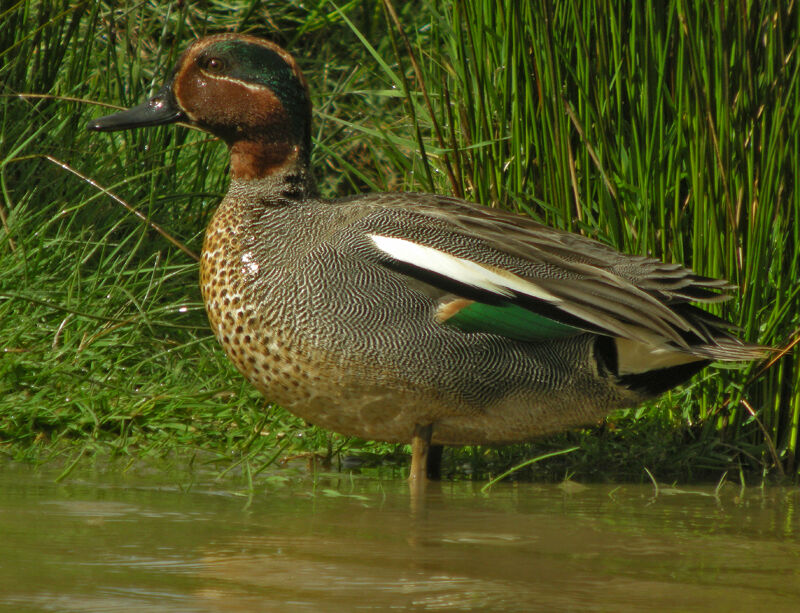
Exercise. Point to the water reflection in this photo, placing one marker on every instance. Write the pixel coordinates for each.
(120, 542)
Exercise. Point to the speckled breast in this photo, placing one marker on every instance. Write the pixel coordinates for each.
(252, 332)
(256, 314)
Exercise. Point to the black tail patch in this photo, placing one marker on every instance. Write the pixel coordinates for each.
(605, 354)
(650, 383)
(656, 382)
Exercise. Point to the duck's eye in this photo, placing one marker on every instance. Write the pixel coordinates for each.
(212, 64)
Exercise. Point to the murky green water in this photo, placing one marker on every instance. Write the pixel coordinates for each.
(121, 542)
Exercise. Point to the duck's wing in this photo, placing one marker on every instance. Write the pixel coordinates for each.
(508, 274)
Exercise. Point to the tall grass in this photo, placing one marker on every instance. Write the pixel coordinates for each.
(668, 128)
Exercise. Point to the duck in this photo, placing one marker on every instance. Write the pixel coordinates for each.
(414, 317)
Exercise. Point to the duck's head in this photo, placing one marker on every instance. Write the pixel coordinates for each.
(245, 90)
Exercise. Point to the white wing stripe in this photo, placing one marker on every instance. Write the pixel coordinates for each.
(459, 269)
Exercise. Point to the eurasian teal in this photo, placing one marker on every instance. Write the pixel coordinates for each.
(414, 317)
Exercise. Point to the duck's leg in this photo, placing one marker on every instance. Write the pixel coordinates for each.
(433, 467)
(420, 446)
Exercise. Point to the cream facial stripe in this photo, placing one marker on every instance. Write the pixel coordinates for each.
(256, 87)
(464, 271)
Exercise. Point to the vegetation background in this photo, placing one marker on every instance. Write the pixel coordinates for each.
(668, 128)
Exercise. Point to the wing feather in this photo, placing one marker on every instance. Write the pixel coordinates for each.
(567, 277)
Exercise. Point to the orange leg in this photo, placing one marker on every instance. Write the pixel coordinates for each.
(420, 446)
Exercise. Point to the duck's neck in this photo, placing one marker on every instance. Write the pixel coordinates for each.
(279, 168)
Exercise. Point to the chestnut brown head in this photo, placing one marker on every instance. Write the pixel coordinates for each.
(245, 90)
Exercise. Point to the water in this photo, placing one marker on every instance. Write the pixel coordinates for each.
(115, 541)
